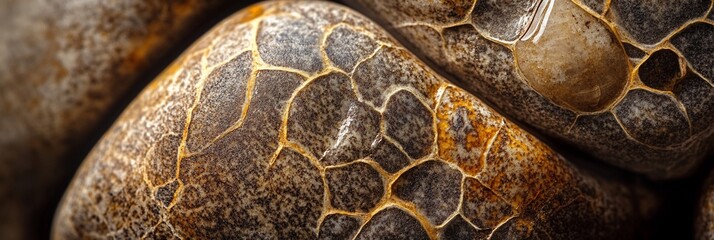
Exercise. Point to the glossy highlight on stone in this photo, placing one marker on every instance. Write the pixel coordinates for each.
(576, 61)
(386, 149)
(574, 69)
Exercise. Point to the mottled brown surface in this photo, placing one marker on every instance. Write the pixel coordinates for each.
(616, 78)
(63, 65)
(251, 134)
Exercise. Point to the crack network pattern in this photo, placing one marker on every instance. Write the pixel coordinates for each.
(306, 120)
(628, 81)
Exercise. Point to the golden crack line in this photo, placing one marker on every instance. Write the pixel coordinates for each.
(274, 156)
(490, 236)
(682, 108)
(326, 204)
(671, 34)
(370, 56)
(329, 212)
(386, 179)
(403, 206)
(391, 90)
(438, 97)
(182, 151)
(343, 212)
(691, 69)
(575, 121)
(411, 209)
(144, 172)
(329, 209)
(152, 229)
(316, 163)
(250, 86)
(351, 74)
(386, 137)
(173, 229)
(283, 131)
(489, 145)
(606, 7)
(366, 160)
(262, 66)
(706, 14)
(323, 45)
(467, 17)
(630, 137)
(456, 212)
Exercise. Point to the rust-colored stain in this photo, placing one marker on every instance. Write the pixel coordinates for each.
(336, 131)
(250, 13)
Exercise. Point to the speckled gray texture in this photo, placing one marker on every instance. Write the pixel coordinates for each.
(386, 149)
(575, 37)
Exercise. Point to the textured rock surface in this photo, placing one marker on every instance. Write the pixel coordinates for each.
(63, 64)
(335, 131)
(616, 78)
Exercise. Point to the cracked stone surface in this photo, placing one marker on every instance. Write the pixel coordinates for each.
(566, 66)
(64, 65)
(335, 132)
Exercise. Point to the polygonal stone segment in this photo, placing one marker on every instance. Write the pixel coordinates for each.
(652, 118)
(161, 159)
(393, 223)
(464, 127)
(518, 167)
(165, 194)
(355, 188)
(388, 156)
(661, 70)
(433, 187)
(338, 226)
(482, 207)
(391, 68)
(346, 46)
(357, 132)
(696, 42)
(295, 196)
(271, 93)
(325, 118)
(409, 122)
(290, 42)
(440, 12)
(585, 68)
(225, 90)
(224, 193)
(649, 22)
(503, 20)
(697, 96)
(458, 228)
